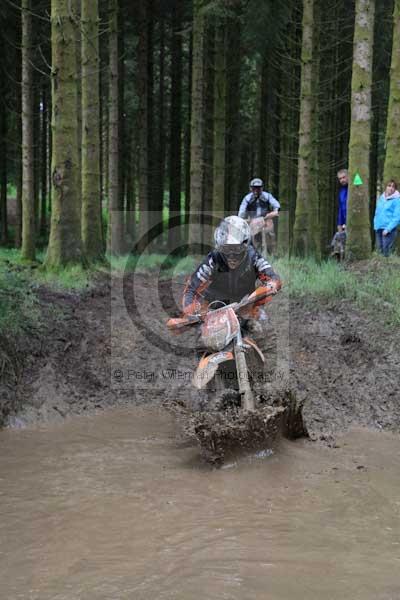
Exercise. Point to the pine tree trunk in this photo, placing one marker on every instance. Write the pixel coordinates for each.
(208, 132)
(49, 152)
(142, 127)
(3, 168)
(233, 119)
(160, 167)
(65, 231)
(28, 192)
(123, 142)
(18, 166)
(219, 120)
(131, 189)
(76, 5)
(101, 141)
(358, 245)
(342, 114)
(197, 123)
(295, 88)
(263, 133)
(151, 129)
(328, 36)
(283, 243)
(103, 102)
(115, 230)
(269, 166)
(175, 167)
(17, 154)
(43, 162)
(188, 141)
(36, 153)
(91, 193)
(287, 131)
(305, 227)
(392, 157)
(275, 151)
(104, 147)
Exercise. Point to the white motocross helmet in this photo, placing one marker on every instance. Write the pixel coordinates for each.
(232, 237)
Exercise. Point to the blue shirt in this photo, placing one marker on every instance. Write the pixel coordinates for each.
(387, 212)
(342, 210)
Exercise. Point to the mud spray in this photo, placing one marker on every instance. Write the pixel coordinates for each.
(229, 429)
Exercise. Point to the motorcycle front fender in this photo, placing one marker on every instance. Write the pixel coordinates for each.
(252, 343)
(208, 366)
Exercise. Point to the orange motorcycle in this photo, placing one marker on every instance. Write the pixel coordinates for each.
(263, 228)
(224, 342)
(235, 417)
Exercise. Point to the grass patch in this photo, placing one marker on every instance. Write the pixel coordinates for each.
(13, 256)
(19, 306)
(378, 287)
(164, 265)
(306, 277)
(372, 285)
(69, 278)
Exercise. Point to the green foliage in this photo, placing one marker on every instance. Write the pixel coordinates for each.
(219, 9)
(11, 190)
(265, 23)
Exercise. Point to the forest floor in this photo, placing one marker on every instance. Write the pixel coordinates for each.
(108, 345)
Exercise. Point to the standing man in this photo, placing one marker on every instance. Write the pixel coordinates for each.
(259, 203)
(343, 177)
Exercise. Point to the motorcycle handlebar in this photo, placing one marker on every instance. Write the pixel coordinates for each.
(198, 318)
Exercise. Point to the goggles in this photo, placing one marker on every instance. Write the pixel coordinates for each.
(233, 250)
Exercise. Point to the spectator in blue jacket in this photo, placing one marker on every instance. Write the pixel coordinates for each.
(387, 217)
(343, 177)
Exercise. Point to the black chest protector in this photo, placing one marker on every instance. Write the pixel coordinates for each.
(231, 285)
(255, 203)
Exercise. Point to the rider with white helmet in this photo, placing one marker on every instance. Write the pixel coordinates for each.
(230, 271)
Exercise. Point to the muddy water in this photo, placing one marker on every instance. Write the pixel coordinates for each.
(113, 507)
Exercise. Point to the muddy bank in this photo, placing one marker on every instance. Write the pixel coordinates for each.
(109, 346)
(346, 368)
(60, 367)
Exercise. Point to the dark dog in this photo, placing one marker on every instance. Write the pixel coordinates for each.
(338, 245)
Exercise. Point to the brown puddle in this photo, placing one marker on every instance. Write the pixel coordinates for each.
(115, 507)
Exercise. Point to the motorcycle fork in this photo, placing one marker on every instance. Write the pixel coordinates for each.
(243, 374)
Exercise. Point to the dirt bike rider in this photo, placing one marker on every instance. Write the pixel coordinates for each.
(259, 203)
(230, 271)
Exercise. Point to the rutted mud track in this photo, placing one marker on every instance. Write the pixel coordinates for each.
(340, 363)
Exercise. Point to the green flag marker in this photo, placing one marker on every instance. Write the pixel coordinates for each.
(357, 179)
